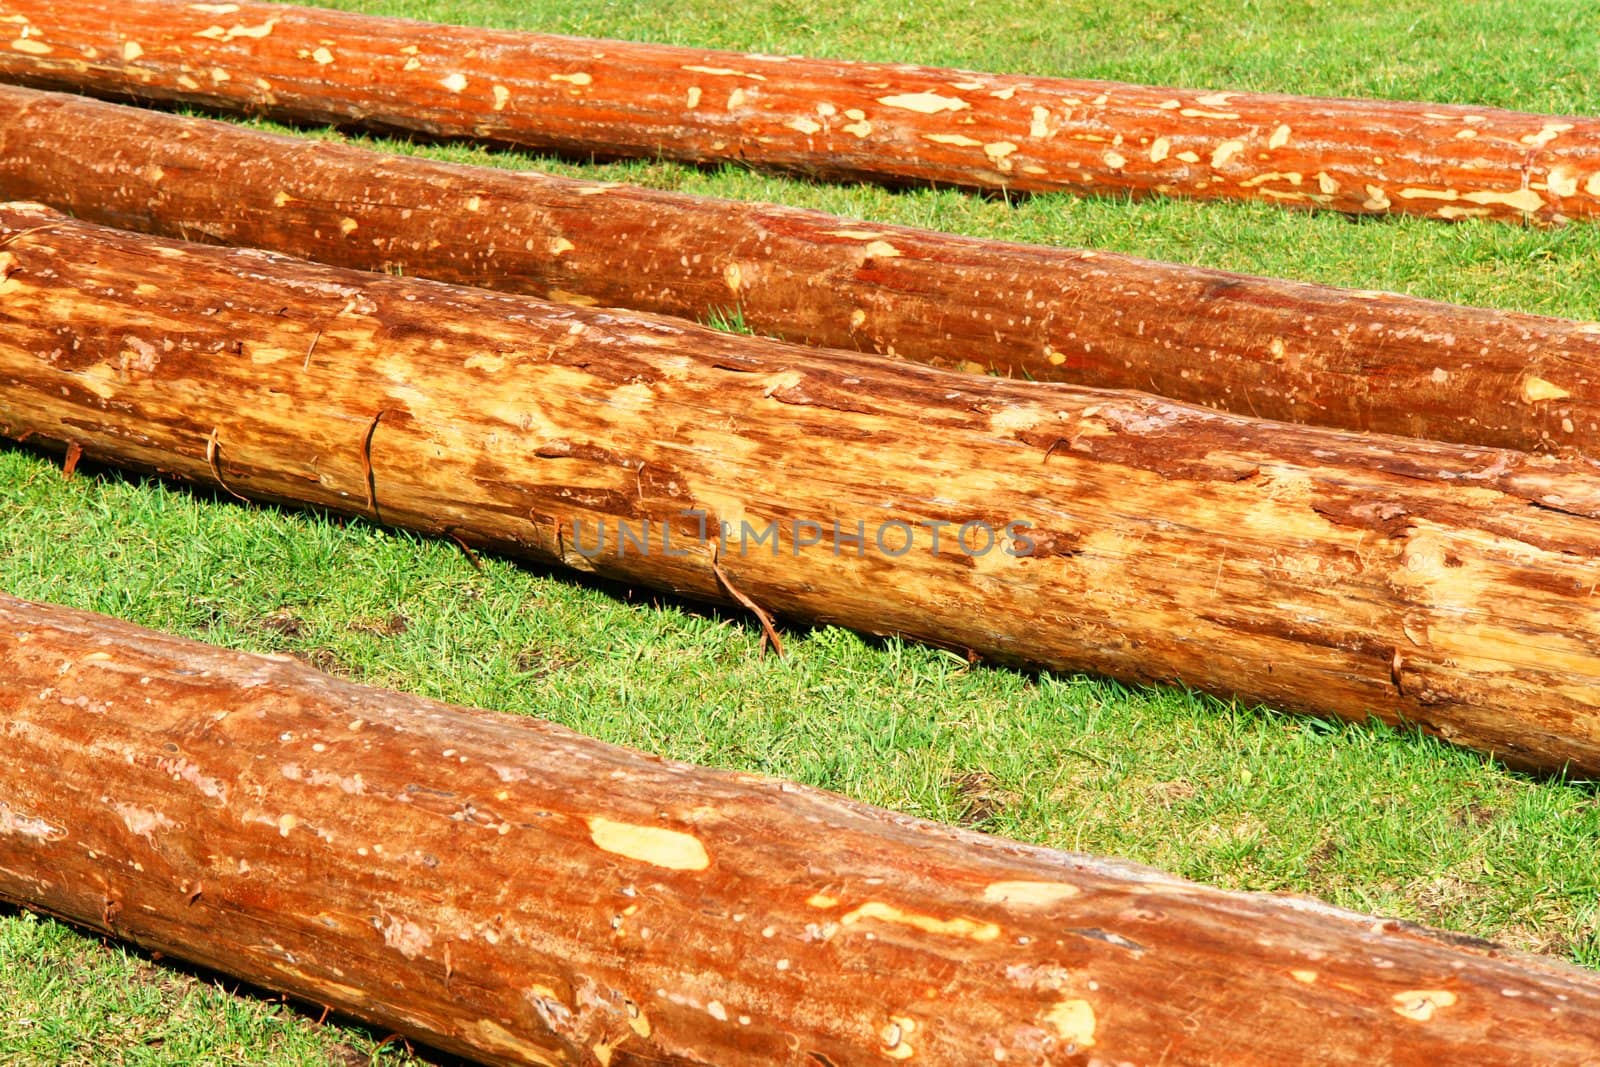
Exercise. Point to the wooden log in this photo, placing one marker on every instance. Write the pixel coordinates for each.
(1256, 346)
(837, 119)
(1070, 528)
(506, 889)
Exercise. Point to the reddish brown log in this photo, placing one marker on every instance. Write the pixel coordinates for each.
(509, 890)
(854, 120)
(1307, 568)
(1256, 346)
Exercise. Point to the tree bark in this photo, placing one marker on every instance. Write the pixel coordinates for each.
(506, 889)
(1256, 346)
(1082, 529)
(837, 119)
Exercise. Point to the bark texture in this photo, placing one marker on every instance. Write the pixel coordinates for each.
(1049, 524)
(837, 119)
(1256, 346)
(509, 890)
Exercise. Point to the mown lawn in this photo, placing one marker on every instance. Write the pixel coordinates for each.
(1364, 817)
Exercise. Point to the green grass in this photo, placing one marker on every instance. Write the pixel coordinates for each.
(1365, 817)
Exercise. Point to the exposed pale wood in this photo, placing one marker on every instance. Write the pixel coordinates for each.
(1256, 346)
(1308, 568)
(897, 122)
(509, 890)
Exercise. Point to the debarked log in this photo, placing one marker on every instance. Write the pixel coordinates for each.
(509, 890)
(1053, 525)
(1256, 346)
(857, 120)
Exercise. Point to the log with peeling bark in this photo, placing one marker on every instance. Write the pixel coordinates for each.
(1070, 528)
(509, 890)
(855, 120)
(1257, 346)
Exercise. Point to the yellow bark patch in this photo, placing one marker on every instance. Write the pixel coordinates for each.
(655, 845)
(322, 56)
(924, 103)
(1549, 133)
(454, 82)
(882, 249)
(1072, 1020)
(880, 911)
(1159, 149)
(1279, 138)
(997, 151)
(217, 33)
(1525, 200)
(726, 72)
(482, 361)
(732, 277)
(131, 50)
(1419, 1005)
(894, 1036)
(1535, 389)
(348, 226)
(31, 47)
(1040, 127)
(805, 125)
(562, 296)
(559, 245)
(1293, 177)
(1562, 181)
(1226, 151)
(1115, 160)
(502, 96)
(960, 140)
(1305, 977)
(580, 78)
(1029, 894)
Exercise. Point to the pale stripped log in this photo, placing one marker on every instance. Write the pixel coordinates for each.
(1312, 569)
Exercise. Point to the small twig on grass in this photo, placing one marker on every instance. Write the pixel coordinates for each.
(466, 549)
(69, 465)
(769, 633)
(213, 457)
(366, 465)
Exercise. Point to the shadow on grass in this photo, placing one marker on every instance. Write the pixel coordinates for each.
(339, 1024)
